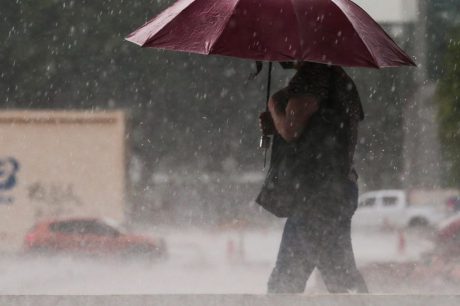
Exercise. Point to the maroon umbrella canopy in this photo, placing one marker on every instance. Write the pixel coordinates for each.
(335, 32)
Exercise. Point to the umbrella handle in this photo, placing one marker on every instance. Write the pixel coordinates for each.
(269, 82)
(265, 141)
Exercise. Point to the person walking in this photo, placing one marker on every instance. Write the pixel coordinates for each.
(314, 123)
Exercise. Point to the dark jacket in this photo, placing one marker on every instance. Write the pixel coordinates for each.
(320, 160)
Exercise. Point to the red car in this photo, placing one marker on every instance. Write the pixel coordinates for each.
(437, 268)
(90, 236)
(447, 239)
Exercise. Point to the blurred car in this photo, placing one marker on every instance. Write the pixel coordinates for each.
(453, 204)
(447, 239)
(437, 267)
(90, 236)
(394, 209)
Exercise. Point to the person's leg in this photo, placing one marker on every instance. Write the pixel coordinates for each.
(296, 259)
(337, 262)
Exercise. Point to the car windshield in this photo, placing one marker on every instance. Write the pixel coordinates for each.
(369, 202)
(84, 227)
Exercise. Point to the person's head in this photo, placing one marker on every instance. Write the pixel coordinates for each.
(305, 67)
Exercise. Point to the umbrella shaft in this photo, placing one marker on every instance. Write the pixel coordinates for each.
(265, 141)
(269, 82)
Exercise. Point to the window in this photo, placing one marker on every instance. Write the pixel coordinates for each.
(369, 202)
(390, 201)
(101, 229)
(70, 227)
(84, 227)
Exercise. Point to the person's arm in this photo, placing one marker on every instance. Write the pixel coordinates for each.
(291, 122)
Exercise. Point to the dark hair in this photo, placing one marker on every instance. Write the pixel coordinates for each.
(308, 66)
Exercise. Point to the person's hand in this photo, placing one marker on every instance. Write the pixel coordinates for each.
(266, 123)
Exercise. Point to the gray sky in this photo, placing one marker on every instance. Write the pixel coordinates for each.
(391, 11)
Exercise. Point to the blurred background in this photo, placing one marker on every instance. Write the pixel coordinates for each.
(102, 138)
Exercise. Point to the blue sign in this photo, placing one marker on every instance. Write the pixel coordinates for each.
(8, 169)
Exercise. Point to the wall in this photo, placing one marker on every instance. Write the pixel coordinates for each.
(59, 164)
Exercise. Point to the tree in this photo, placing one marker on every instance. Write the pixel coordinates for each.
(442, 15)
(449, 109)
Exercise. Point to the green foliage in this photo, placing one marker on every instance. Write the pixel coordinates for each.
(442, 15)
(449, 109)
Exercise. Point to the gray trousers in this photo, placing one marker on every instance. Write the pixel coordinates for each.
(320, 237)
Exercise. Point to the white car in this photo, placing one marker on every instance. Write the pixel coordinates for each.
(392, 209)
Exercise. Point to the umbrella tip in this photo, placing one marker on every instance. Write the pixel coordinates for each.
(412, 62)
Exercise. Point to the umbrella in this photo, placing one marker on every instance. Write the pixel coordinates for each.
(336, 32)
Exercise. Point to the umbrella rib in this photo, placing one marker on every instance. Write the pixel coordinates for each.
(223, 27)
(298, 26)
(376, 64)
(155, 19)
(400, 51)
